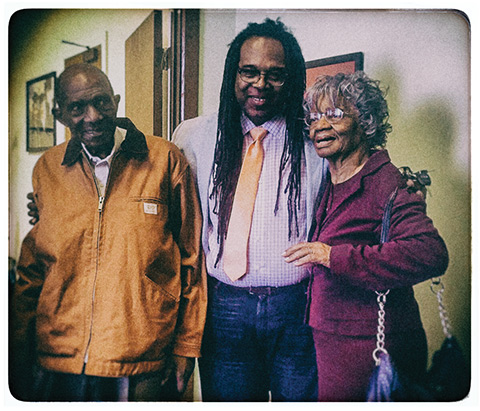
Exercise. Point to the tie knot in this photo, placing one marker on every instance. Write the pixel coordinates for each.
(258, 133)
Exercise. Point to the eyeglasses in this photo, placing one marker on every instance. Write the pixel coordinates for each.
(332, 115)
(252, 75)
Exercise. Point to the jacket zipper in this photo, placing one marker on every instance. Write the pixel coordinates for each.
(101, 202)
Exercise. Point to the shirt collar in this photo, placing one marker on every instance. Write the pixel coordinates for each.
(273, 126)
(119, 136)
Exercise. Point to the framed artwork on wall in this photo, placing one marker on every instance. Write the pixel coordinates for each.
(40, 120)
(344, 63)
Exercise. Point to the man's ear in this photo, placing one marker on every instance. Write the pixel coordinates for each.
(57, 113)
(116, 98)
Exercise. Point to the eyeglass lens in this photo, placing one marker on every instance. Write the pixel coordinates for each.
(331, 115)
(275, 77)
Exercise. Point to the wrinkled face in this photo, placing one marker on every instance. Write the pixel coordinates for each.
(89, 110)
(260, 101)
(339, 138)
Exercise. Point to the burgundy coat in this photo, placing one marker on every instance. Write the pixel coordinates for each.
(343, 299)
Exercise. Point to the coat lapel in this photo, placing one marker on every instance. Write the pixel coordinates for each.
(376, 160)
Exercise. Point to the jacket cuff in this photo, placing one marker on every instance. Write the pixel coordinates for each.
(338, 261)
(187, 350)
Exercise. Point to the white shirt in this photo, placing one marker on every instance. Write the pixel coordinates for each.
(101, 166)
(269, 232)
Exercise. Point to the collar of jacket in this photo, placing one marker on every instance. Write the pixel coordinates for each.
(377, 159)
(134, 145)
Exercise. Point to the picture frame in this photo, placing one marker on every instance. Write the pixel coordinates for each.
(344, 63)
(41, 130)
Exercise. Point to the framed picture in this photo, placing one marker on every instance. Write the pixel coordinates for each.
(345, 63)
(40, 119)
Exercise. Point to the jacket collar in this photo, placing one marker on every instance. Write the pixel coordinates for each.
(134, 145)
(376, 160)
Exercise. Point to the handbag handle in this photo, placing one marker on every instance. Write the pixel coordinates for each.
(436, 286)
(438, 291)
(380, 348)
(387, 212)
(382, 296)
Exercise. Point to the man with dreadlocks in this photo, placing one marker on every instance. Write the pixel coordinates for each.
(256, 343)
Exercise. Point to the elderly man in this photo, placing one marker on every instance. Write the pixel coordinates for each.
(110, 300)
(256, 343)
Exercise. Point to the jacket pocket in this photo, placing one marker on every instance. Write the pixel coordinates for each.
(152, 206)
(165, 278)
(162, 266)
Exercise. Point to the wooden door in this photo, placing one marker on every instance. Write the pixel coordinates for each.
(161, 71)
(184, 67)
(143, 75)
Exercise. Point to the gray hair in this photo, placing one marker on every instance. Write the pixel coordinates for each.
(356, 91)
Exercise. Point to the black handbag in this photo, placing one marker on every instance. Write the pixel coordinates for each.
(448, 378)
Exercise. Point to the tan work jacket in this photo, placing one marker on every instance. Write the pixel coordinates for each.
(117, 283)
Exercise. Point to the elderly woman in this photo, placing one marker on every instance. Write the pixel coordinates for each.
(347, 117)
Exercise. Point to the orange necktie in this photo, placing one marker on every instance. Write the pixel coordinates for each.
(235, 251)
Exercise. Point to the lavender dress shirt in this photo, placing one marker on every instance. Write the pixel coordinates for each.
(197, 138)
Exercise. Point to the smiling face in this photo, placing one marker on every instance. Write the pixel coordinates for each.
(336, 140)
(260, 101)
(89, 110)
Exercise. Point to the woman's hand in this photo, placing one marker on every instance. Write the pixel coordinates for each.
(308, 253)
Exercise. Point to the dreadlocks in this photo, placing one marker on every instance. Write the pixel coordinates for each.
(228, 150)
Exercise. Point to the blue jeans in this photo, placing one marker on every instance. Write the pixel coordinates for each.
(256, 343)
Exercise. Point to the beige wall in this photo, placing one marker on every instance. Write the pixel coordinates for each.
(422, 56)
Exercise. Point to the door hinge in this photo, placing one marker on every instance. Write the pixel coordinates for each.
(163, 57)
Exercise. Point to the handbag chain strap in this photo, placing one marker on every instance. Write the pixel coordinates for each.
(438, 289)
(382, 296)
(381, 300)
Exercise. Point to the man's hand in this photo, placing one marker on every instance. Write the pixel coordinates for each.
(419, 190)
(181, 369)
(416, 182)
(33, 210)
(308, 253)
